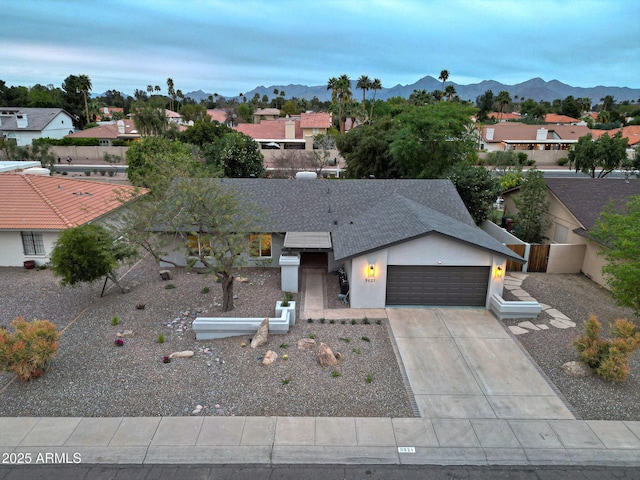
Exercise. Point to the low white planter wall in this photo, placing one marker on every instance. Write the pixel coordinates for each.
(291, 308)
(506, 309)
(208, 328)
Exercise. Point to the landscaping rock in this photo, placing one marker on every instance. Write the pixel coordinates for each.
(166, 275)
(269, 358)
(306, 344)
(262, 335)
(326, 358)
(125, 334)
(242, 279)
(577, 369)
(184, 354)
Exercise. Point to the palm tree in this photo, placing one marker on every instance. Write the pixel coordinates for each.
(171, 91)
(607, 103)
(149, 89)
(180, 95)
(375, 86)
(364, 84)
(84, 84)
(444, 75)
(157, 89)
(502, 100)
(450, 91)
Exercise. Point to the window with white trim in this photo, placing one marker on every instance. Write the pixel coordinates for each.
(32, 243)
(198, 245)
(260, 245)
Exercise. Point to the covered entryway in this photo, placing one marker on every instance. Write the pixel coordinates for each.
(437, 285)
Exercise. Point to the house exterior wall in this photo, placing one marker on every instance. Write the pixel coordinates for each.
(12, 251)
(593, 263)
(434, 249)
(177, 245)
(565, 258)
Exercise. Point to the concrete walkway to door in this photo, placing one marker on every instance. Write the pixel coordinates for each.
(462, 363)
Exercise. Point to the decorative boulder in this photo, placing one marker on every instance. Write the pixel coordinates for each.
(166, 275)
(269, 358)
(242, 280)
(262, 335)
(577, 369)
(184, 354)
(326, 358)
(306, 344)
(125, 334)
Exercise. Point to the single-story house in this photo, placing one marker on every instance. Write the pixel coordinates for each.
(575, 204)
(107, 133)
(401, 242)
(34, 209)
(22, 125)
(521, 136)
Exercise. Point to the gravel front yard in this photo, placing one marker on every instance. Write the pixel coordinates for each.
(577, 297)
(90, 376)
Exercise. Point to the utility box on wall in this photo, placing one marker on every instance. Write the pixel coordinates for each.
(289, 266)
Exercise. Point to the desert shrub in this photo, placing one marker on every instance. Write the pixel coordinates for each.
(562, 161)
(609, 358)
(27, 351)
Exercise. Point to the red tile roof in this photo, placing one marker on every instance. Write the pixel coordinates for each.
(217, 114)
(315, 120)
(267, 130)
(106, 131)
(522, 131)
(504, 116)
(555, 118)
(36, 202)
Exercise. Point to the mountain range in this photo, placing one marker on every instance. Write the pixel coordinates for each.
(536, 89)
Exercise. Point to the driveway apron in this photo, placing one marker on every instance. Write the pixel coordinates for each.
(462, 363)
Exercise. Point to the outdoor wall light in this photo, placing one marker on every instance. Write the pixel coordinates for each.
(499, 272)
(371, 271)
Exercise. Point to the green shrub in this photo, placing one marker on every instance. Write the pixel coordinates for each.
(368, 378)
(114, 320)
(609, 358)
(356, 350)
(169, 286)
(562, 161)
(288, 297)
(205, 290)
(365, 321)
(335, 374)
(365, 339)
(332, 321)
(312, 336)
(27, 351)
(322, 320)
(160, 338)
(286, 381)
(309, 320)
(345, 339)
(87, 173)
(354, 321)
(284, 345)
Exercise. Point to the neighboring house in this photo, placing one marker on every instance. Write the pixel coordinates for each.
(22, 125)
(217, 114)
(504, 117)
(107, 113)
(314, 123)
(520, 136)
(556, 119)
(401, 242)
(106, 134)
(575, 204)
(173, 117)
(274, 134)
(260, 114)
(34, 209)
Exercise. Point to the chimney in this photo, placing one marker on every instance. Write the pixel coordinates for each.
(120, 127)
(289, 129)
(21, 119)
(541, 134)
(489, 133)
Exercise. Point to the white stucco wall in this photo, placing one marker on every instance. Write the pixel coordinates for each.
(12, 253)
(428, 250)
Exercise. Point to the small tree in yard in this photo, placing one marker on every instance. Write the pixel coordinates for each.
(28, 349)
(606, 153)
(531, 221)
(87, 253)
(207, 217)
(619, 233)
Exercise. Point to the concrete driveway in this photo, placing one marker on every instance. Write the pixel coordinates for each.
(462, 363)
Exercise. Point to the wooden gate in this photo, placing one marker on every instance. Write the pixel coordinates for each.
(538, 258)
(512, 265)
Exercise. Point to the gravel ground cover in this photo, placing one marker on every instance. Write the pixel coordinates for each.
(577, 297)
(91, 376)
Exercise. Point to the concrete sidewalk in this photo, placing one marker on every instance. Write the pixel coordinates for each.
(321, 440)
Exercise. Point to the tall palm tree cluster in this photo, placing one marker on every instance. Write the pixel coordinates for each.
(342, 102)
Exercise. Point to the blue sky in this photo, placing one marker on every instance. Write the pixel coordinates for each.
(228, 47)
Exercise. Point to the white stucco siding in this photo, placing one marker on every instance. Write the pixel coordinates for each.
(12, 251)
(435, 250)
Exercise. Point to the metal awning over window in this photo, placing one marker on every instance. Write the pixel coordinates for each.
(307, 241)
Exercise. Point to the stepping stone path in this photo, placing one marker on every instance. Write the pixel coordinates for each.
(513, 282)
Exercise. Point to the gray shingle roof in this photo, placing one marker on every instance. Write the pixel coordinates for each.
(325, 205)
(586, 198)
(364, 214)
(397, 219)
(37, 118)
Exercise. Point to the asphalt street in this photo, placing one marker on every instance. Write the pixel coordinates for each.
(313, 472)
